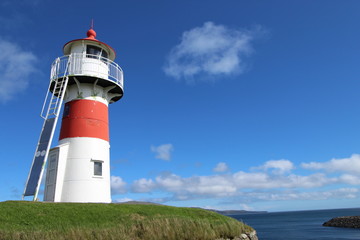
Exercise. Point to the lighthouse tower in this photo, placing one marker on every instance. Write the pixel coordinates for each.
(87, 80)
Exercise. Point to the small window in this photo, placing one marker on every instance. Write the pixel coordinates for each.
(66, 110)
(97, 168)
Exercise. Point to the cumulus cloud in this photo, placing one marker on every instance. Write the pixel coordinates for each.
(185, 188)
(349, 179)
(240, 198)
(348, 165)
(273, 181)
(16, 66)
(170, 181)
(227, 185)
(285, 195)
(210, 50)
(143, 185)
(221, 167)
(278, 166)
(163, 151)
(245, 180)
(118, 185)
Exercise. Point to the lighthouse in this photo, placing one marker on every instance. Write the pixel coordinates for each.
(86, 79)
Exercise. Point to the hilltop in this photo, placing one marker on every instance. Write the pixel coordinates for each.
(41, 220)
(222, 212)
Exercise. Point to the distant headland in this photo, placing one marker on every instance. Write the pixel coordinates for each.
(235, 212)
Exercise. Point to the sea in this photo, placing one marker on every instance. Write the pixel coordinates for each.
(304, 225)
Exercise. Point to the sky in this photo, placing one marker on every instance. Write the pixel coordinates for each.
(231, 104)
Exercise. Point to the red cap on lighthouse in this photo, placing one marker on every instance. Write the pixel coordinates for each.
(91, 34)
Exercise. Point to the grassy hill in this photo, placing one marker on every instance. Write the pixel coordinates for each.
(38, 220)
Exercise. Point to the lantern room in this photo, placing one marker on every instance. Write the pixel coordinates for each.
(90, 61)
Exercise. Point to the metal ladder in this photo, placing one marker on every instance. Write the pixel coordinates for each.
(50, 113)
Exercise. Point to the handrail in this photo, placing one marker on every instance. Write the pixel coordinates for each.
(77, 61)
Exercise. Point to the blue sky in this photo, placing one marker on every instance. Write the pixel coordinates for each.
(228, 104)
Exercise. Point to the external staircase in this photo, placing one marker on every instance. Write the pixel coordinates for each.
(50, 113)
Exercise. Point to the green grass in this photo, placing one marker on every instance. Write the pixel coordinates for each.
(38, 220)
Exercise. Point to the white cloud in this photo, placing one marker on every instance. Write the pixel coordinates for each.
(143, 185)
(184, 188)
(217, 185)
(118, 185)
(278, 184)
(348, 165)
(349, 179)
(170, 182)
(221, 167)
(210, 50)
(227, 185)
(163, 151)
(341, 193)
(245, 180)
(278, 166)
(249, 187)
(16, 66)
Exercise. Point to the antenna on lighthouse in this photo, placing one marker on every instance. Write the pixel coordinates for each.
(87, 79)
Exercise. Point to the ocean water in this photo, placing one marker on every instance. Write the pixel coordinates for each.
(304, 225)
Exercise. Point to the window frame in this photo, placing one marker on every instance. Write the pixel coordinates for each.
(99, 53)
(95, 170)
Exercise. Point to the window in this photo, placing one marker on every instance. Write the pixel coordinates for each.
(97, 168)
(95, 52)
(66, 110)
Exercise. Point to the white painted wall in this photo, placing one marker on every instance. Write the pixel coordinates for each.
(88, 91)
(76, 180)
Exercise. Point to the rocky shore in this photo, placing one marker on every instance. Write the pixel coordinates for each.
(247, 236)
(344, 222)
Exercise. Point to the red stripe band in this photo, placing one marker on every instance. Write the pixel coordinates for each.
(85, 118)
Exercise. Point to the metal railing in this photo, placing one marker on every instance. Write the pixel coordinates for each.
(79, 66)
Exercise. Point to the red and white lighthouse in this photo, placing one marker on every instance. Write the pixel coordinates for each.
(87, 79)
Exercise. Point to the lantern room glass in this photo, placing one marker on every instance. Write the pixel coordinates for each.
(95, 52)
